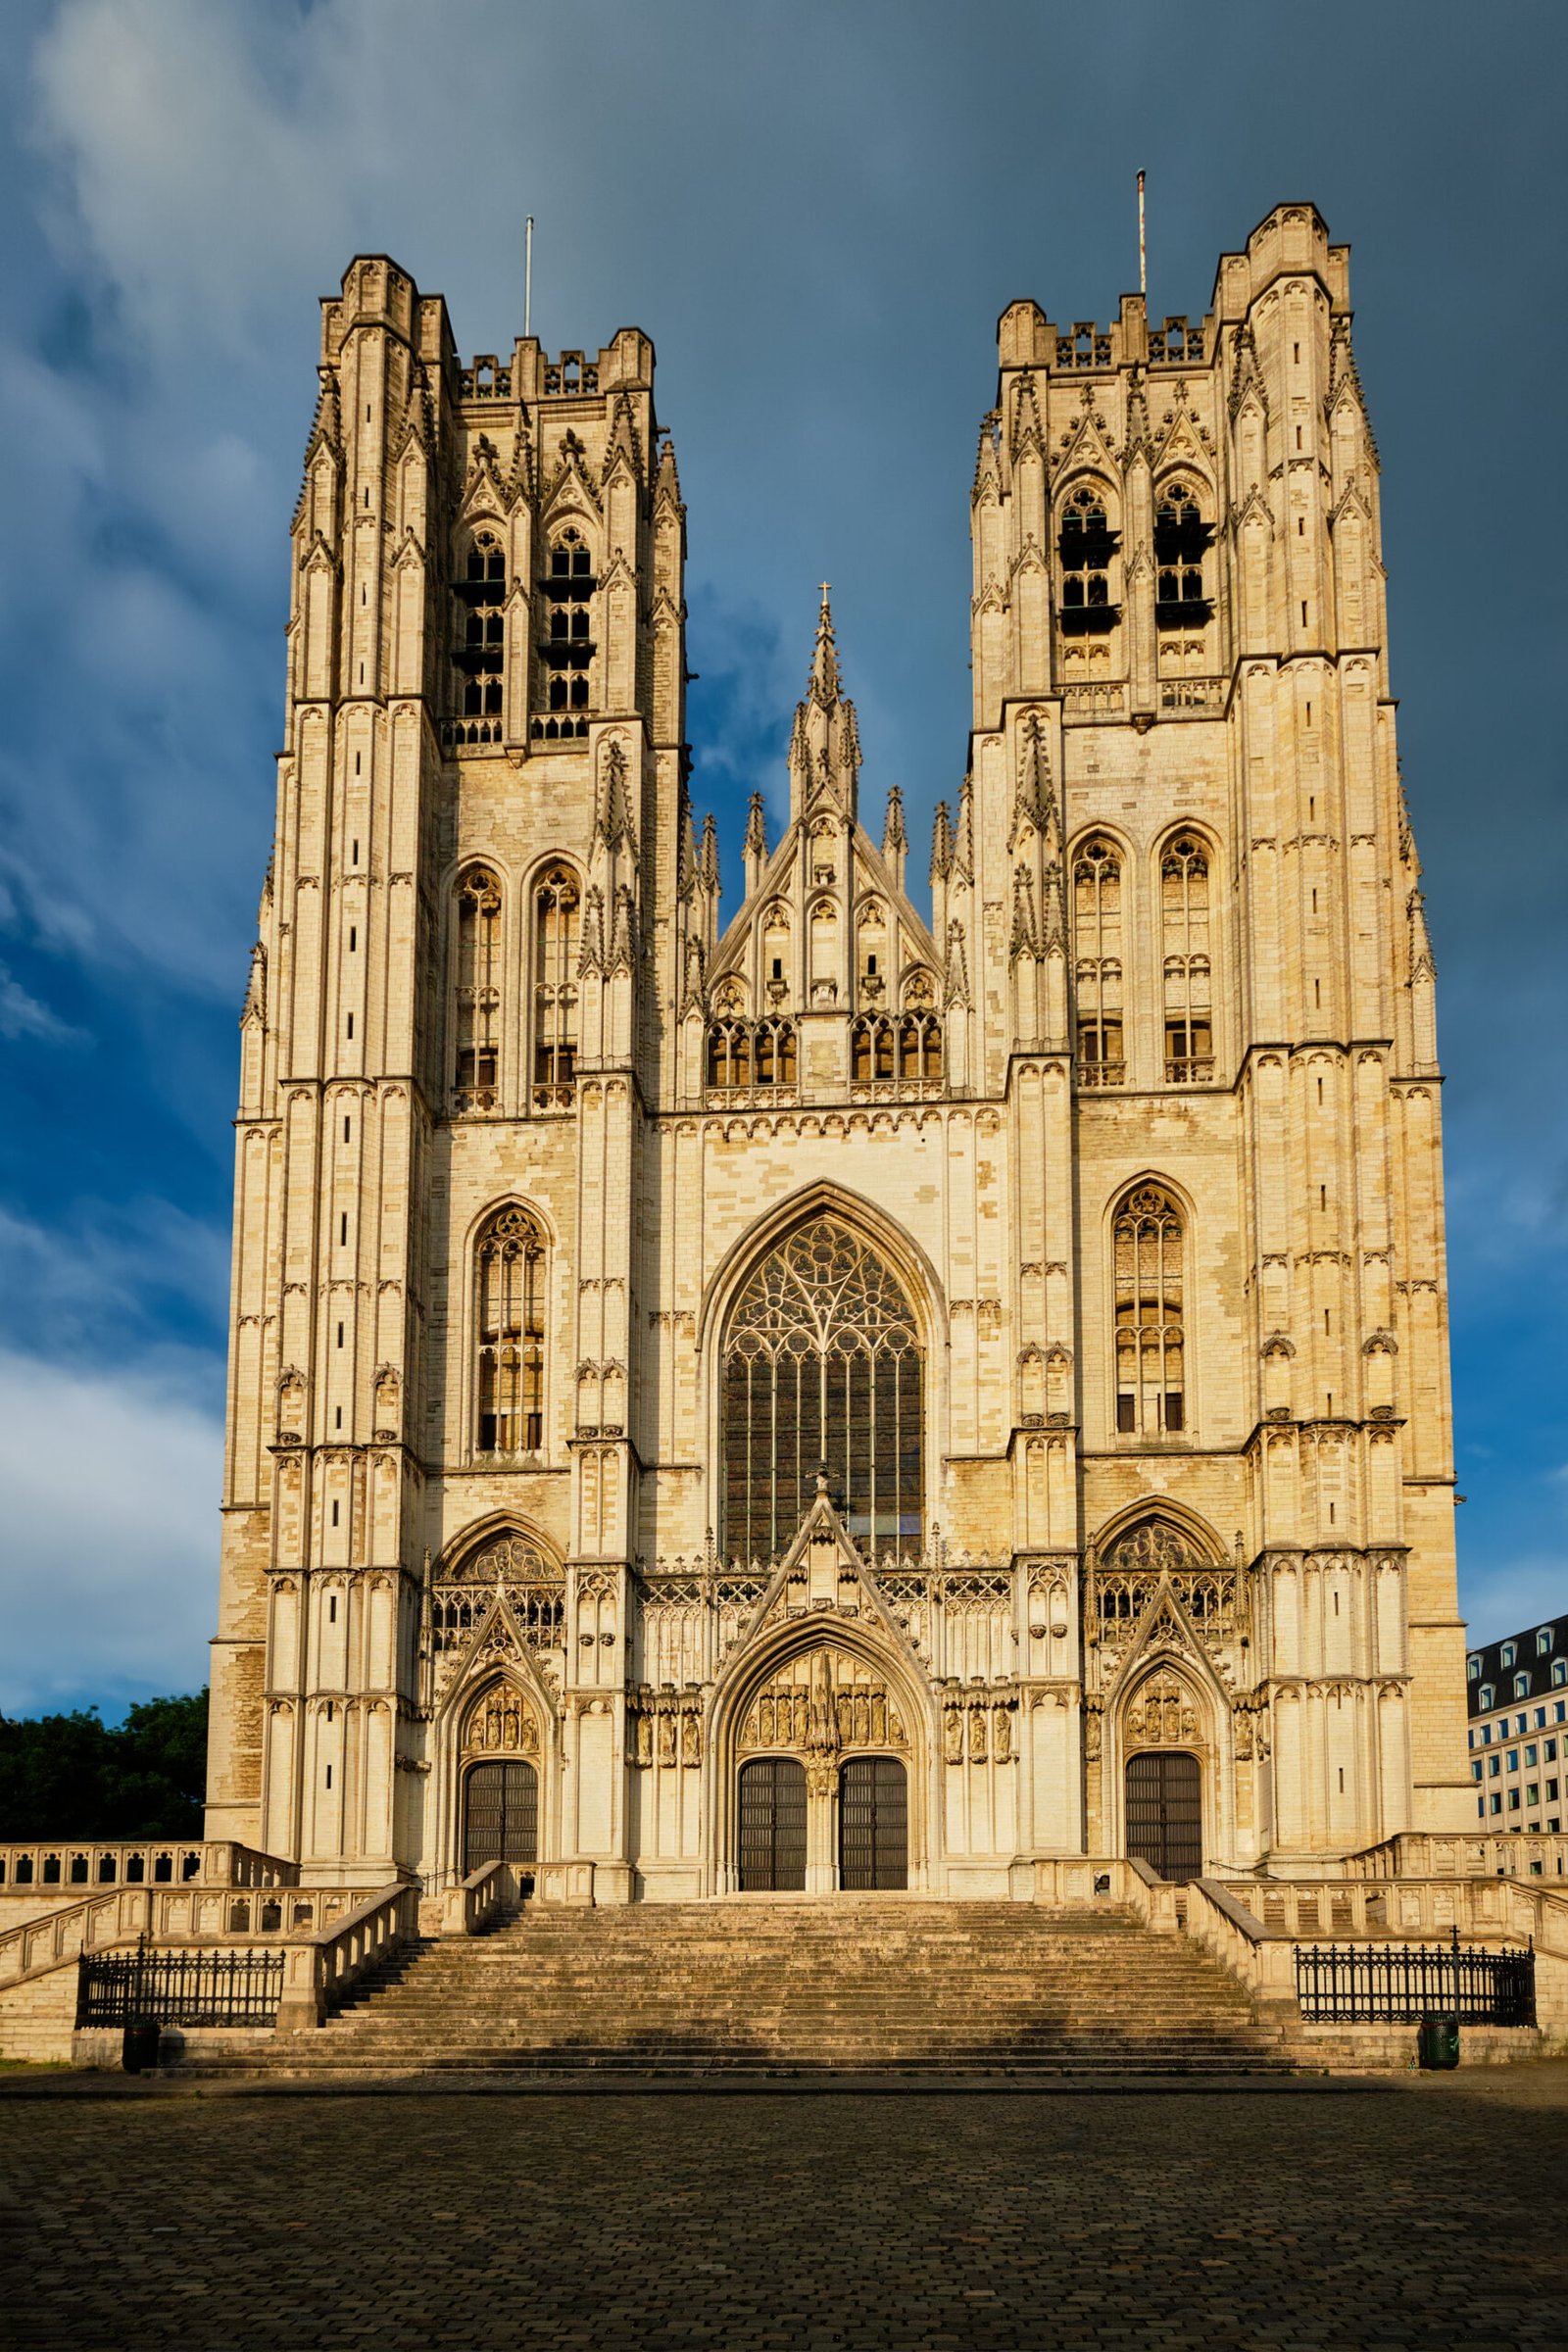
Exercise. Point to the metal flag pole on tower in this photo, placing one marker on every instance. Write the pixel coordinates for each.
(1143, 256)
(527, 274)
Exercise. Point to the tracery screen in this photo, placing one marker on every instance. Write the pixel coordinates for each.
(822, 1368)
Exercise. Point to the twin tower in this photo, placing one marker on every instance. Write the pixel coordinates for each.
(848, 1398)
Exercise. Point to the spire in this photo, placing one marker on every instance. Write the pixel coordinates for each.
(824, 685)
(709, 857)
(895, 840)
(988, 464)
(825, 742)
(1423, 964)
(753, 850)
(667, 482)
(941, 844)
(964, 837)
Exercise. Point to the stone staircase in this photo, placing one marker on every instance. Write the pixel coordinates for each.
(770, 1987)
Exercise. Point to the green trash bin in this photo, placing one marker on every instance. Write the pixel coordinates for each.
(139, 2052)
(1438, 2043)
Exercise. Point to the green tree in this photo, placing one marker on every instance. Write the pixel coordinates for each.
(73, 1776)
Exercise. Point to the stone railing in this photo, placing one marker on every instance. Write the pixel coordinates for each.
(1075, 1879)
(1254, 1929)
(477, 1902)
(1501, 1910)
(319, 1970)
(170, 1914)
(139, 1862)
(1422, 1854)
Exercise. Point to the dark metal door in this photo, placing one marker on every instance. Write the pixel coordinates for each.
(873, 1823)
(500, 1815)
(1166, 1814)
(773, 1809)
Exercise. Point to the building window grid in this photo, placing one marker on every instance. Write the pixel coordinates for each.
(1184, 916)
(1097, 964)
(477, 1058)
(567, 645)
(557, 912)
(509, 1317)
(1149, 1342)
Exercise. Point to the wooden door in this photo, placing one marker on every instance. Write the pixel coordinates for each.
(1165, 1813)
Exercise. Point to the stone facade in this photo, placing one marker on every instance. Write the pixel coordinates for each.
(1127, 1162)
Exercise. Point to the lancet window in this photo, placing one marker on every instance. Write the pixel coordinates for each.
(509, 1324)
(751, 1053)
(1182, 539)
(479, 638)
(566, 646)
(1150, 1347)
(557, 912)
(1085, 546)
(1184, 934)
(1096, 884)
(822, 1370)
(476, 1005)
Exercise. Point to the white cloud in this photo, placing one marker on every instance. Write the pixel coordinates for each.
(108, 1575)
(22, 1014)
(1530, 1588)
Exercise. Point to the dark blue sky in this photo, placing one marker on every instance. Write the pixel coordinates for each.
(817, 211)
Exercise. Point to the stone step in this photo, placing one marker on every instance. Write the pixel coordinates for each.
(841, 1987)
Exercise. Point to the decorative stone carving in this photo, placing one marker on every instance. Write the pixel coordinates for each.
(1162, 1714)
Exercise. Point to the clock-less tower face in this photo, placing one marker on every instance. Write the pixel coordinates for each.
(905, 1375)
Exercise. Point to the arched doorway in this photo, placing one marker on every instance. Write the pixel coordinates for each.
(874, 1825)
(1165, 1813)
(500, 1814)
(773, 1826)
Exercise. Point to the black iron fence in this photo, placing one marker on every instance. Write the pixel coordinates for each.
(179, 1987)
(1399, 1984)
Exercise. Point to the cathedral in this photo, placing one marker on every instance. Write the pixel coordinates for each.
(847, 1399)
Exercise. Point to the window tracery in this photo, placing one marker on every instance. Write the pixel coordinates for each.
(566, 646)
(1182, 539)
(1184, 921)
(743, 1053)
(1151, 1383)
(477, 997)
(509, 1328)
(822, 1367)
(557, 913)
(480, 640)
(1096, 969)
(1085, 546)
(896, 1051)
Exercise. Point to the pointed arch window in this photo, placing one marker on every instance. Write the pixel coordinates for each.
(1149, 1345)
(822, 1368)
(557, 913)
(1182, 539)
(1085, 546)
(476, 1066)
(566, 644)
(1097, 886)
(510, 1323)
(479, 639)
(1183, 904)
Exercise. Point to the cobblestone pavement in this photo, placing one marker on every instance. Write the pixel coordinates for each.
(1278, 2221)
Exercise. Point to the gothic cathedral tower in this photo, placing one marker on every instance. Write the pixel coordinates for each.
(629, 1481)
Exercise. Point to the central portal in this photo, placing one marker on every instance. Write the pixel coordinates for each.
(873, 1824)
(773, 1809)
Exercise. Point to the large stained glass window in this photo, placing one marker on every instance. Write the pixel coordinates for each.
(822, 1370)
